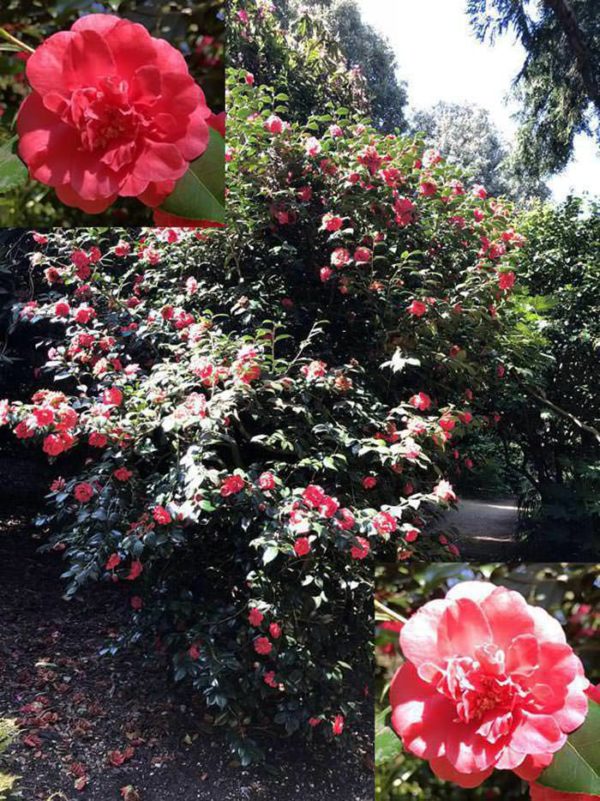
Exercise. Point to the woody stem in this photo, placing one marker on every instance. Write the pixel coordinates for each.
(10, 38)
(389, 612)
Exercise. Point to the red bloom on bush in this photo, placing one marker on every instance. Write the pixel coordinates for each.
(489, 682)
(112, 397)
(122, 474)
(369, 482)
(263, 646)
(417, 308)
(161, 515)
(361, 549)
(135, 570)
(420, 401)
(506, 281)
(266, 481)
(331, 222)
(97, 440)
(255, 617)
(83, 492)
(114, 560)
(232, 485)
(275, 630)
(338, 725)
(384, 523)
(55, 444)
(302, 546)
(62, 308)
(113, 112)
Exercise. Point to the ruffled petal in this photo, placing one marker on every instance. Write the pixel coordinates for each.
(418, 638)
(445, 771)
(70, 198)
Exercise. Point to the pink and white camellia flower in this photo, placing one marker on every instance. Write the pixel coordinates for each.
(113, 112)
(489, 682)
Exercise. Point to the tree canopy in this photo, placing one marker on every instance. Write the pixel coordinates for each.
(559, 82)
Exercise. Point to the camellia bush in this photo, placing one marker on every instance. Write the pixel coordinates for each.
(462, 674)
(112, 108)
(240, 421)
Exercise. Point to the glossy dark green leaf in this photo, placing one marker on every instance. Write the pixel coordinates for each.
(576, 767)
(200, 194)
(13, 173)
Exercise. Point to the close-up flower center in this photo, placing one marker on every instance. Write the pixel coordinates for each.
(103, 115)
(478, 686)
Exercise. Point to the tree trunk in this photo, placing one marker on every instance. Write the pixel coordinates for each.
(568, 22)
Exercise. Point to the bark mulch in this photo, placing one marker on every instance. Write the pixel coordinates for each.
(99, 727)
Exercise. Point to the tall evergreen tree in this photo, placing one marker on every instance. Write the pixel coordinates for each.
(363, 48)
(559, 83)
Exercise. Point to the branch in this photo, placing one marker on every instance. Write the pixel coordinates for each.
(562, 412)
(568, 22)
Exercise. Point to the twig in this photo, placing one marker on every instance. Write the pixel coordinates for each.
(389, 612)
(10, 38)
(562, 412)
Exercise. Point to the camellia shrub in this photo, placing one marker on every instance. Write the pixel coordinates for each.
(241, 420)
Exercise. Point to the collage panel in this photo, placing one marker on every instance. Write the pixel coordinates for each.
(298, 391)
(112, 113)
(487, 681)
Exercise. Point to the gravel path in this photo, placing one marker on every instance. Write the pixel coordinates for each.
(486, 529)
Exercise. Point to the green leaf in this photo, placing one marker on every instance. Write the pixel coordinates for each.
(13, 173)
(387, 743)
(576, 767)
(200, 194)
(270, 553)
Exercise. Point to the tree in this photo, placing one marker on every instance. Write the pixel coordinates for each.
(366, 49)
(466, 136)
(319, 52)
(559, 83)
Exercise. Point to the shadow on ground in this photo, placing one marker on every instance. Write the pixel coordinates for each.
(77, 708)
(486, 530)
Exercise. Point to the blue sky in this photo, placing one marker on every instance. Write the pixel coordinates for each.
(440, 58)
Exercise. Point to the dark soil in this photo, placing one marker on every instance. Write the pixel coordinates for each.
(76, 706)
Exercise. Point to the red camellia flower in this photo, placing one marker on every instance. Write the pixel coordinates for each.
(232, 485)
(112, 397)
(266, 481)
(83, 492)
(135, 570)
(489, 682)
(338, 725)
(302, 546)
(417, 308)
(161, 515)
(113, 112)
(541, 793)
(421, 401)
(262, 646)
(255, 617)
(122, 474)
(361, 549)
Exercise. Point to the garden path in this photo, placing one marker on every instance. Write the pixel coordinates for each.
(487, 529)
